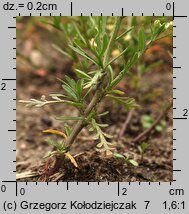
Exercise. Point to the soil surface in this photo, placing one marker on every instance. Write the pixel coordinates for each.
(32, 82)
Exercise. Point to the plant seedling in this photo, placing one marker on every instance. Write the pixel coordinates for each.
(128, 161)
(143, 147)
(91, 43)
(147, 122)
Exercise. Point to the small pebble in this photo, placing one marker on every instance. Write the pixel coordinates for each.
(29, 139)
(46, 120)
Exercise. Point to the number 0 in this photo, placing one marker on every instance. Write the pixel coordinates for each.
(168, 6)
(3, 188)
(22, 191)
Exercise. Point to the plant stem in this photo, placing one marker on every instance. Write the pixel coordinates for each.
(80, 124)
(100, 92)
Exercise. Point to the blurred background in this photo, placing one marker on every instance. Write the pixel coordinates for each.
(40, 63)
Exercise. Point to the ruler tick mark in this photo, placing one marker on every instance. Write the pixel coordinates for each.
(71, 8)
(8, 79)
(16, 189)
(118, 191)
(179, 118)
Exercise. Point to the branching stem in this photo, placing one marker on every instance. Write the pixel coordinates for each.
(100, 93)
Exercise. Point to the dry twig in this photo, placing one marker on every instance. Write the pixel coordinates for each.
(126, 123)
(147, 132)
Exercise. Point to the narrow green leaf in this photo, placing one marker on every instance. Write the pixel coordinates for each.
(93, 81)
(79, 34)
(104, 45)
(117, 155)
(82, 74)
(133, 162)
(103, 125)
(70, 92)
(62, 51)
(119, 77)
(83, 53)
(63, 82)
(144, 146)
(111, 75)
(102, 24)
(129, 103)
(71, 82)
(57, 145)
(57, 95)
(133, 60)
(93, 22)
(160, 30)
(79, 88)
(141, 39)
(124, 33)
(57, 21)
(103, 113)
(110, 62)
(116, 91)
(68, 129)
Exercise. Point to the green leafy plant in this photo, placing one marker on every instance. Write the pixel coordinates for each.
(91, 43)
(147, 122)
(127, 160)
(143, 147)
